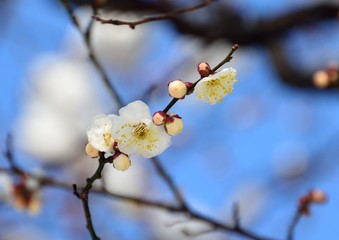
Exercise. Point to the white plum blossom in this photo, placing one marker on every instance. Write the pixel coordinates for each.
(214, 88)
(137, 134)
(99, 133)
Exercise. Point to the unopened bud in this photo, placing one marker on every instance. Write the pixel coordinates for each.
(174, 125)
(159, 118)
(177, 89)
(91, 151)
(321, 79)
(317, 196)
(34, 206)
(121, 162)
(204, 69)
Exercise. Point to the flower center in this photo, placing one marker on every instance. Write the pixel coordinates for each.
(212, 82)
(140, 130)
(107, 138)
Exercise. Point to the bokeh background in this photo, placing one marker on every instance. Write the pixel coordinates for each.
(264, 146)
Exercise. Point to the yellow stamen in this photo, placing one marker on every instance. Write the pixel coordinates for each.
(107, 138)
(140, 130)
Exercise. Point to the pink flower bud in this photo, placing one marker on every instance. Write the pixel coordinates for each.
(204, 69)
(177, 89)
(317, 196)
(174, 125)
(321, 79)
(121, 162)
(159, 118)
(91, 151)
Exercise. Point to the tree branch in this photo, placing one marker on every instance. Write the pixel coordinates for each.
(158, 17)
(46, 181)
(296, 218)
(83, 195)
(170, 183)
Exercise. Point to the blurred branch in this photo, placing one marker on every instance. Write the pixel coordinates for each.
(158, 17)
(236, 215)
(169, 181)
(8, 153)
(87, 38)
(296, 218)
(83, 195)
(233, 26)
(46, 181)
(190, 233)
(288, 73)
(298, 78)
(50, 182)
(229, 24)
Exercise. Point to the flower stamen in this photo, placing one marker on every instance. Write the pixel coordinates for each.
(140, 130)
(107, 138)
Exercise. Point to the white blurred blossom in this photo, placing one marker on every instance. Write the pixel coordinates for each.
(58, 104)
(5, 187)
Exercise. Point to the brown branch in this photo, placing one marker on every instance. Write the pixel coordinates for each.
(169, 181)
(231, 25)
(54, 183)
(235, 229)
(158, 17)
(83, 195)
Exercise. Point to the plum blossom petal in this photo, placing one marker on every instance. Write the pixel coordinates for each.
(99, 133)
(137, 134)
(214, 88)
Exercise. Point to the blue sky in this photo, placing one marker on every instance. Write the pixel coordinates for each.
(242, 149)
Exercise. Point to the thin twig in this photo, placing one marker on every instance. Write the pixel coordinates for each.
(8, 153)
(157, 17)
(236, 215)
(83, 195)
(296, 218)
(54, 183)
(169, 181)
(222, 226)
(87, 38)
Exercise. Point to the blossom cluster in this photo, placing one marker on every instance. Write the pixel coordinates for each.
(132, 132)
(135, 131)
